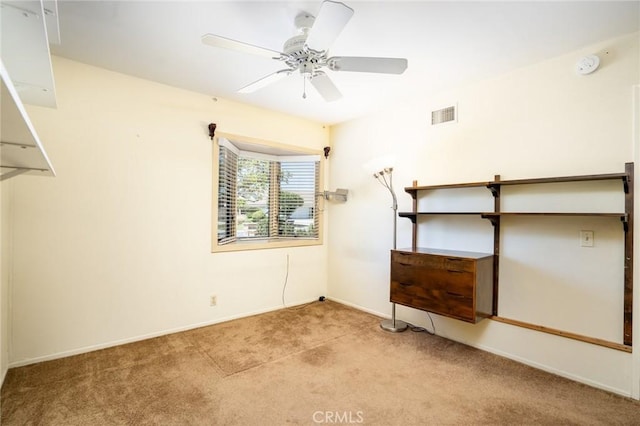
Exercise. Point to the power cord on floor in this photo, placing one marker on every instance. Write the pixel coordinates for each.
(417, 329)
(296, 308)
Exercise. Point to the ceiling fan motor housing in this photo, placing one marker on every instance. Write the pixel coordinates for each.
(296, 53)
(295, 45)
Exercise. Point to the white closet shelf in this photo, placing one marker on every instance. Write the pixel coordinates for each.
(20, 148)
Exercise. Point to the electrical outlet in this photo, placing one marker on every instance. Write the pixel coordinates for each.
(213, 300)
(586, 238)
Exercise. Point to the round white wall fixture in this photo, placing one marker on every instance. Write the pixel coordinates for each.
(588, 64)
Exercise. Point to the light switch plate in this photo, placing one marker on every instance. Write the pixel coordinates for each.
(586, 238)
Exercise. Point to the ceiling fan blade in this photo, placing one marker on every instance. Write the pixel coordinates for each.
(265, 81)
(325, 87)
(227, 43)
(332, 18)
(365, 64)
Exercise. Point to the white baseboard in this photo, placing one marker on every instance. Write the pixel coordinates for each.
(358, 307)
(498, 352)
(85, 349)
(552, 370)
(525, 361)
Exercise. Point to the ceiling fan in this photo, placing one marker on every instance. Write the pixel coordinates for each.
(307, 52)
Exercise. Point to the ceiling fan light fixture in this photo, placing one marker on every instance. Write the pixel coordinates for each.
(307, 68)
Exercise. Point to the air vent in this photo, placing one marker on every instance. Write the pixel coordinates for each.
(443, 115)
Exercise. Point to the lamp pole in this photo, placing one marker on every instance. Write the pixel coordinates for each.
(393, 325)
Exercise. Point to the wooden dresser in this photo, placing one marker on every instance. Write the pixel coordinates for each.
(452, 283)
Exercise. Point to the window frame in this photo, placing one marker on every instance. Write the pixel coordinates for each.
(259, 146)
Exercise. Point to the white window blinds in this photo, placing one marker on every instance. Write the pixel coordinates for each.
(297, 199)
(227, 193)
(264, 196)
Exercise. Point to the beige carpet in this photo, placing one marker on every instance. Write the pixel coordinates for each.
(323, 364)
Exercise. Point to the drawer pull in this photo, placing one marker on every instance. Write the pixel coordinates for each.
(404, 264)
(454, 271)
(455, 294)
(405, 284)
(454, 259)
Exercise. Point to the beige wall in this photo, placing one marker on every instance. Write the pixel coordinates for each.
(117, 246)
(542, 120)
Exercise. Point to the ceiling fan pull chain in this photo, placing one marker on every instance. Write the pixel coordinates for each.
(304, 87)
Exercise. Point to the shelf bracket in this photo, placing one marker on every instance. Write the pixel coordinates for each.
(494, 190)
(411, 218)
(492, 218)
(625, 222)
(12, 173)
(625, 183)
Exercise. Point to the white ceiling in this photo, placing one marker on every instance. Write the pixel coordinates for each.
(446, 44)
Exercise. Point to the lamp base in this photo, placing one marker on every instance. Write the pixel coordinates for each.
(394, 326)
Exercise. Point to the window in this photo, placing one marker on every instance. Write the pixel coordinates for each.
(266, 195)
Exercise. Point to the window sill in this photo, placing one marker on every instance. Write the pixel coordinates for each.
(245, 245)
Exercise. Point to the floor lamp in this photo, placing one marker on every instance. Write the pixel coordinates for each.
(393, 325)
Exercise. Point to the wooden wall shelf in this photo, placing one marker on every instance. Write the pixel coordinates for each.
(582, 178)
(495, 186)
(414, 189)
(411, 215)
(624, 177)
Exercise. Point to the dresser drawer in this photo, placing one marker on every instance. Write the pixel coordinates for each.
(438, 300)
(455, 286)
(454, 281)
(433, 262)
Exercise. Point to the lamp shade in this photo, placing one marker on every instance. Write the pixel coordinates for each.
(378, 164)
